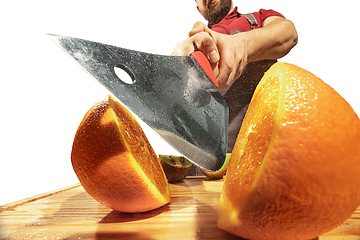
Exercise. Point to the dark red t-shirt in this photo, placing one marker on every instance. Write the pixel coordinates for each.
(231, 21)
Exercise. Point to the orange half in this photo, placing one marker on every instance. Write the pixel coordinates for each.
(294, 172)
(115, 162)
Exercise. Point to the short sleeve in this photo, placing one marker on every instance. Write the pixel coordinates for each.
(264, 14)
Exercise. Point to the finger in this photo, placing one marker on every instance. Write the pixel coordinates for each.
(233, 75)
(223, 77)
(226, 68)
(183, 48)
(199, 27)
(215, 68)
(206, 44)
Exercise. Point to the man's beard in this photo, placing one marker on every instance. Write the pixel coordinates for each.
(217, 14)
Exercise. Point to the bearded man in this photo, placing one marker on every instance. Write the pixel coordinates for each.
(240, 47)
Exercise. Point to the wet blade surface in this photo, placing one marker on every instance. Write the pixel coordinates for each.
(173, 95)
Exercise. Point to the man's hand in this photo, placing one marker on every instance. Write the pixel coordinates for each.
(201, 41)
(229, 54)
(227, 63)
(233, 55)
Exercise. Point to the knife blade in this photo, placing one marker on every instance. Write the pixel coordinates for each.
(172, 94)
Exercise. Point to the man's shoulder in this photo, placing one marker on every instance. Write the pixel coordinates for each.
(263, 14)
(244, 22)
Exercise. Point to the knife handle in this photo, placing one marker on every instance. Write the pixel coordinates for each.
(204, 63)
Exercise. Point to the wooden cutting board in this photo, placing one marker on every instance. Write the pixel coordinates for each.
(70, 213)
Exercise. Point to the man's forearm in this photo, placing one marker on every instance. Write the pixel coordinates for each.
(229, 54)
(274, 40)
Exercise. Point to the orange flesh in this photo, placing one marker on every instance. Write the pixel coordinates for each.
(138, 146)
(248, 156)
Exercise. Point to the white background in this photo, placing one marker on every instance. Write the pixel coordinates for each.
(44, 94)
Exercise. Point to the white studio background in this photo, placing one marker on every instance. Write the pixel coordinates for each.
(44, 94)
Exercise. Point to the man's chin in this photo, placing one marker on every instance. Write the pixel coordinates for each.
(217, 10)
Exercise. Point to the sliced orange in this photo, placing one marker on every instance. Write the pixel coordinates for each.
(294, 172)
(115, 162)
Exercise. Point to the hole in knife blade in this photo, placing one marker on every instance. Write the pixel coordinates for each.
(124, 74)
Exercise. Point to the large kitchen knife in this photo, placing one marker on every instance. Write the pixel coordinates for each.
(172, 94)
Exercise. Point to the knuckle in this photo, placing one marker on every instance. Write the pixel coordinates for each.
(207, 41)
(197, 23)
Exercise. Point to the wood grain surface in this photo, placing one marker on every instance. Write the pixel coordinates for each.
(70, 213)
